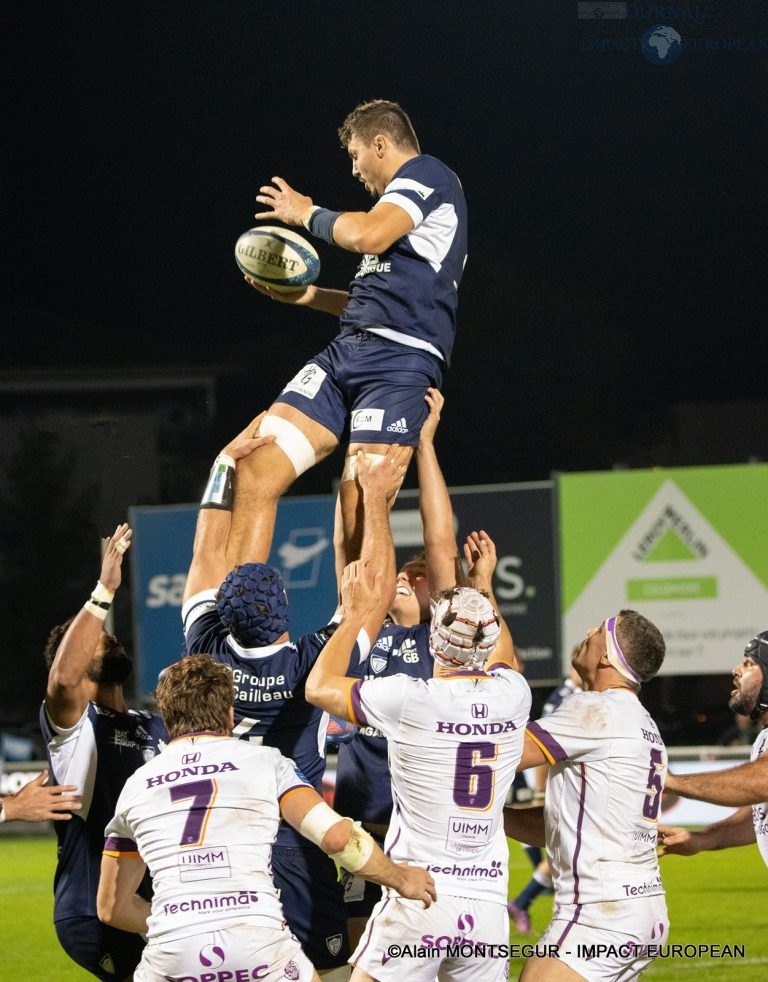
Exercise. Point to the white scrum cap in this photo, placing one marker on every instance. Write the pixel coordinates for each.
(465, 629)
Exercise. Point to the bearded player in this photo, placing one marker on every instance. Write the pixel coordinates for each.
(397, 322)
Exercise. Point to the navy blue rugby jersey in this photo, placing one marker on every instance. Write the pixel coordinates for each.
(98, 754)
(363, 787)
(410, 291)
(270, 707)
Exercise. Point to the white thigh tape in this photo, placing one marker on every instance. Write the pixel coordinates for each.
(291, 441)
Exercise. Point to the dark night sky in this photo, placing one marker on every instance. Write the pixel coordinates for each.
(617, 250)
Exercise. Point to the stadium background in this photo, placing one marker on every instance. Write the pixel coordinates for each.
(612, 312)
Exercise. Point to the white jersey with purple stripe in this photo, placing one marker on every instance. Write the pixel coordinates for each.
(410, 291)
(454, 743)
(760, 812)
(603, 797)
(203, 815)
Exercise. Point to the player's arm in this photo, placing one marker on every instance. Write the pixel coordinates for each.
(209, 564)
(328, 685)
(379, 485)
(352, 847)
(371, 231)
(746, 784)
(533, 753)
(480, 555)
(315, 297)
(440, 549)
(525, 825)
(117, 902)
(737, 829)
(40, 802)
(68, 689)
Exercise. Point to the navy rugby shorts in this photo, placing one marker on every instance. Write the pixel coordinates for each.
(375, 385)
(102, 950)
(313, 902)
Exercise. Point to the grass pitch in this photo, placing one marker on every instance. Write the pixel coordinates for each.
(713, 899)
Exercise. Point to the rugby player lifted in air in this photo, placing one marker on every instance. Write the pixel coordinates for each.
(397, 322)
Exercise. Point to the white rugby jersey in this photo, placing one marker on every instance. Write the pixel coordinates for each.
(603, 797)
(203, 815)
(760, 812)
(454, 744)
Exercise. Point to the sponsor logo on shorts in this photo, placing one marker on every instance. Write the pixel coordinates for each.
(108, 965)
(400, 426)
(307, 383)
(353, 886)
(231, 975)
(212, 956)
(465, 922)
(366, 419)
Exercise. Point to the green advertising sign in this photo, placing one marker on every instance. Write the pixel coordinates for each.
(688, 547)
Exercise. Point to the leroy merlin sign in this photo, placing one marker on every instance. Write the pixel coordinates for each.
(687, 547)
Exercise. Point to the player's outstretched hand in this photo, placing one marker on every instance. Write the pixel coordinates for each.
(435, 400)
(248, 439)
(360, 588)
(674, 841)
(416, 884)
(287, 204)
(385, 476)
(40, 802)
(480, 555)
(112, 560)
(298, 298)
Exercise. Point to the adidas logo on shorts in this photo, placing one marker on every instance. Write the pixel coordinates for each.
(399, 427)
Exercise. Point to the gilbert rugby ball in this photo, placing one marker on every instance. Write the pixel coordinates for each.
(277, 257)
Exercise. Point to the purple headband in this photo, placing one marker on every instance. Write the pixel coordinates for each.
(615, 655)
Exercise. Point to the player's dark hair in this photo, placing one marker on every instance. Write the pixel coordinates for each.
(111, 667)
(54, 640)
(379, 116)
(641, 643)
(417, 559)
(195, 695)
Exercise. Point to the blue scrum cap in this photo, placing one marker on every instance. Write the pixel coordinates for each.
(253, 605)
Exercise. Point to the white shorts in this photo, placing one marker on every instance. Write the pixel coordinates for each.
(242, 949)
(609, 942)
(456, 938)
